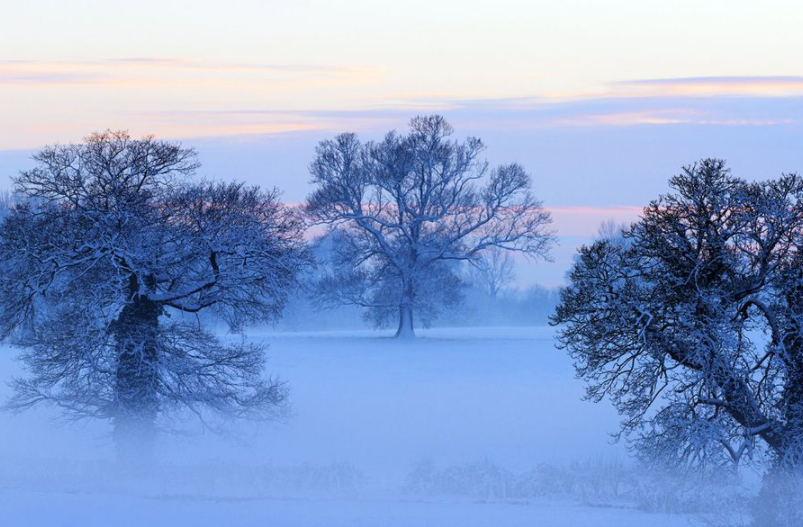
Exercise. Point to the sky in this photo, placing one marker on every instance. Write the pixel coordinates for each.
(601, 101)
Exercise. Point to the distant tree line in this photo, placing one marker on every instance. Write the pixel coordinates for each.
(531, 306)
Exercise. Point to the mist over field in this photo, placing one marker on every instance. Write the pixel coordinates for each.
(469, 426)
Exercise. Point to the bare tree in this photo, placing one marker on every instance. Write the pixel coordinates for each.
(104, 265)
(612, 231)
(7, 202)
(493, 270)
(669, 324)
(408, 207)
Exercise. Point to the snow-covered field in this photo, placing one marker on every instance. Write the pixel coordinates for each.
(53, 509)
(475, 406)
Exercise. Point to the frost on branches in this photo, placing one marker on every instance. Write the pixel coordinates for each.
(691, 321)
(404, 211)
(106, 262)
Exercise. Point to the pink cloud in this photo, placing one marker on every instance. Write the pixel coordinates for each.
(585, 221)
(126, 71)
(712, 86)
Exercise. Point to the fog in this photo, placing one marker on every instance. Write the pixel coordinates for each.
(380, 404)
(462, 426)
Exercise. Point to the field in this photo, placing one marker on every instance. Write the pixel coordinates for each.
(462, 427)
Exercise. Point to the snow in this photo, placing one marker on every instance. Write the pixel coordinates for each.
(359, 399)
(453, 395)
(59, 510)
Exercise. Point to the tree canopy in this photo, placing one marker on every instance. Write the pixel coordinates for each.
(406, 209)
(105, 265)
(691, 320)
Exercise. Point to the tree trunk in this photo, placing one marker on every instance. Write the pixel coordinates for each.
(136, 383)
(791, 456)
(406, 330)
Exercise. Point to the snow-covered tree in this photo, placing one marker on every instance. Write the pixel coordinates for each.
(103, 266)
(339, 283)
(408, 207)
(693, 326)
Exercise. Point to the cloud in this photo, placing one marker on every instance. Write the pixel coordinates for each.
(483, 115)
(585, 221)
(188, 64)
(45, 78)
(607, 111)
(153, 70)
(746, 86)
(665, 116)
(735, 80)
(186, 98)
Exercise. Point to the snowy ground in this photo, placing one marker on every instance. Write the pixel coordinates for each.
(128, 511)
(503, 397)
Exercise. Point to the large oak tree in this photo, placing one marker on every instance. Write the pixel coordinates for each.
(692, 320)
(104, 266)
(405, 210)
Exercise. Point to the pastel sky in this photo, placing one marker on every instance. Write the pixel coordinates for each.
(601, 101)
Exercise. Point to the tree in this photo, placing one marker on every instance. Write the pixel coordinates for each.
(691, 323)
(7, 202)
(104, 265)
(407, 208)
(493, 270)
